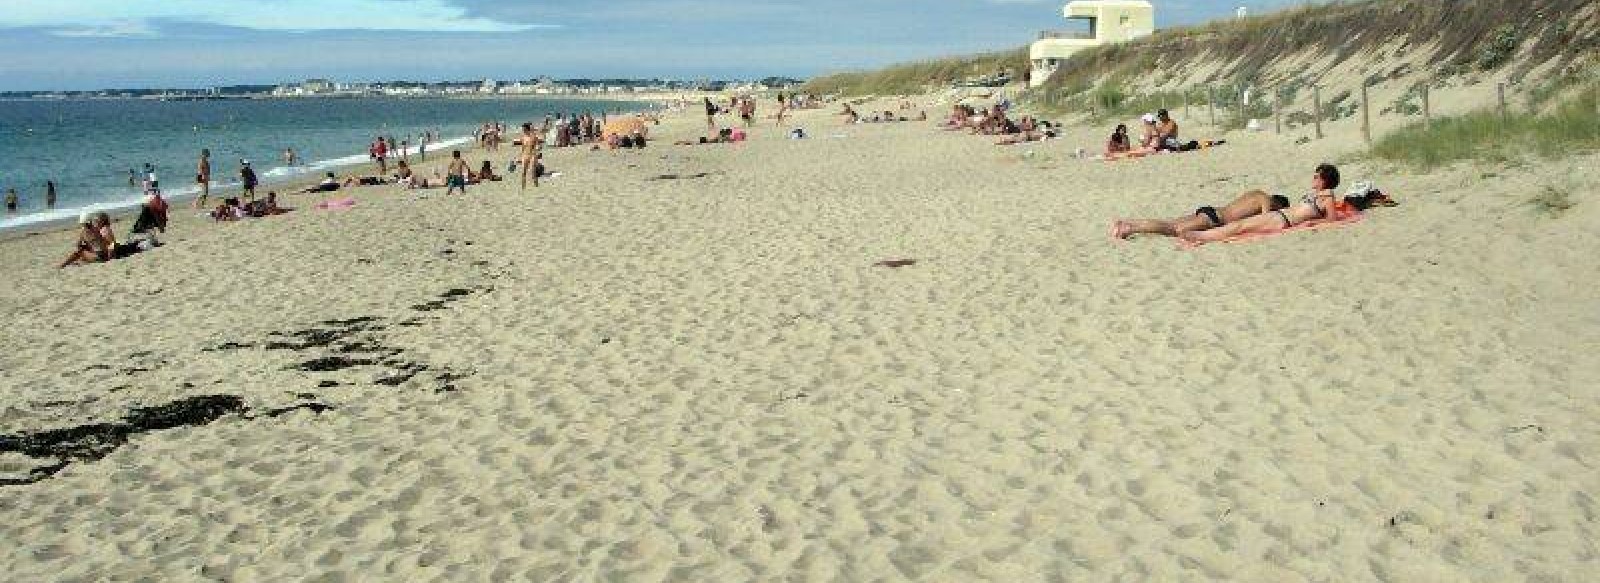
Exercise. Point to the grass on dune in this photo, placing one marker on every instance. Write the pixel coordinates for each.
(1575, 126)
(915, 78)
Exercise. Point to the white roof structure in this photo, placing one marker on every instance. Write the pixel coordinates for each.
(1107, 21)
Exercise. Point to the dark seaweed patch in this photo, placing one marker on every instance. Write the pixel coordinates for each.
(97, 440)
(333, 363)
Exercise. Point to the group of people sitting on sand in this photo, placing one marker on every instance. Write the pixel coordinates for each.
(232, 210)
(1159, 134)
(994, 121)
(1256, 212)
(97, 241)
(851, 116)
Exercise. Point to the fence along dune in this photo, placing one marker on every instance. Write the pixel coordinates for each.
(1460, 37)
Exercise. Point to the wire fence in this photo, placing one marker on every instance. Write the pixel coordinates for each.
(1286, 106)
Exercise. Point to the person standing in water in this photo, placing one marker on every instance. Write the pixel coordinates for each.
(133, 178)
(202, 176)
(49, 194)
(11, 200)
(530, 154)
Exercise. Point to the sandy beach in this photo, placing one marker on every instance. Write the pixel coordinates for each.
(682, 364)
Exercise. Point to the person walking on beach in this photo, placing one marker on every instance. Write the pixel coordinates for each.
(289, 157)
(530, 154)
(202, 176)
(49, 194)
(711, 116)
(150, 181)
(456, 174)
(422, 147)
(247, 176)
(11, 200)
(783, 107)
(405, 147)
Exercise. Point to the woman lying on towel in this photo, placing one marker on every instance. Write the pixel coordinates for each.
(1247, 205)
(1318, 205)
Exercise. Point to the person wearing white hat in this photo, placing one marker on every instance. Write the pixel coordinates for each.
(1151, 138)
(91, 247)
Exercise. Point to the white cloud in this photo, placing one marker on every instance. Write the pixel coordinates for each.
(137, 17)
(122, 28)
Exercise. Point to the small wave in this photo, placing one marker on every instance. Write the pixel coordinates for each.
(125, 201)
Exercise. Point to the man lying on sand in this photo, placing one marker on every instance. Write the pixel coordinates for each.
(329, 184)
(1029, 130)
(1246, 205)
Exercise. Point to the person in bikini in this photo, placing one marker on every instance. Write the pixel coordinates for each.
(530, 154)
(1249, 204)
(91, 246)
(1118, 143)
(1317, 205)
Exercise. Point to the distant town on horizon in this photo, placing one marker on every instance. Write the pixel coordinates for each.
(318, 87)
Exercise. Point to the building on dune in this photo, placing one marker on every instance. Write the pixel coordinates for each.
(1095, 23)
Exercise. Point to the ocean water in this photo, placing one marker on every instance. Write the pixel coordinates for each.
(88, 146)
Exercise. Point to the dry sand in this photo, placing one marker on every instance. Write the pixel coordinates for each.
(622, 378)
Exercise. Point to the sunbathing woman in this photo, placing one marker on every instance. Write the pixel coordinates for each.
(1318, 205)
(91, 246)
(1118, 144)
(1247, 205)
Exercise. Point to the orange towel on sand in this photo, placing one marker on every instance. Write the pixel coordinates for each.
(1344, 214)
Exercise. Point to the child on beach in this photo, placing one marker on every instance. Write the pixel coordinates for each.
(456, 174)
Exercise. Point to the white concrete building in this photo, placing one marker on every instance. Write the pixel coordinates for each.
(1105, 21)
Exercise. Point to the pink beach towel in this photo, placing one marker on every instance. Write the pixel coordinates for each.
(337, 204)
(1345, 218)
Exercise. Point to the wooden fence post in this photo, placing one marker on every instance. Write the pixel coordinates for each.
(1316, 103)
(1505, 114)
(1211, 104)
(1277, 111)
(1366, 115)
(1427, 108)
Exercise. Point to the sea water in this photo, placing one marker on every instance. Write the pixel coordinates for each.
(88, 146)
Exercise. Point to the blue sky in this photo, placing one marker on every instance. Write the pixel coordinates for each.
(92, 44)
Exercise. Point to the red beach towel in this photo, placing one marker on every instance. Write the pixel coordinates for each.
(1346, 216)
